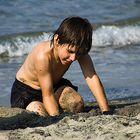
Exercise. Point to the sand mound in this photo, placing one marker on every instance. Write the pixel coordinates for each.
(18, 124)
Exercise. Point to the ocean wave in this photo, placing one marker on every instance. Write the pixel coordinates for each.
(20, 44)
(116, 36)
(104, 36)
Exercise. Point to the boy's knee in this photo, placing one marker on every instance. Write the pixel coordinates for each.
(37, 107)
(71, 101)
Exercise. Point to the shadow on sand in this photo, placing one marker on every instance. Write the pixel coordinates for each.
(12, 118)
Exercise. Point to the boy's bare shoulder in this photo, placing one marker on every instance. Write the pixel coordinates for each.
(43, 44)
(42, 48)
(83, 58)
(42, 51)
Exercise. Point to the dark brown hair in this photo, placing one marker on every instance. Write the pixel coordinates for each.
(75, 31)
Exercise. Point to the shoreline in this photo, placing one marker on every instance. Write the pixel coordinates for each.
(124, 124)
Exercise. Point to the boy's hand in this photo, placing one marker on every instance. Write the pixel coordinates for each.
(110, 112)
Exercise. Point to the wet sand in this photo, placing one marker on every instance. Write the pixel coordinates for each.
(124, 124)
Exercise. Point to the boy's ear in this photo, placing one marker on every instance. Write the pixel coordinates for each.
(56, 39)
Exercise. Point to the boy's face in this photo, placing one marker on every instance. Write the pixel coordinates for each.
(67, 53)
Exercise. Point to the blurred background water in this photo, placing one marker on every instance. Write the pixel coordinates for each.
(115, 47)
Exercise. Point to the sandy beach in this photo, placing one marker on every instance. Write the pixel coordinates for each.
(124, 124)
(116, 55)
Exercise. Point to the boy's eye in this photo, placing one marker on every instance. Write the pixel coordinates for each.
(70, 51)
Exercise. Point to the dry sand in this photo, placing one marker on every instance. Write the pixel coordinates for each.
(18, 124)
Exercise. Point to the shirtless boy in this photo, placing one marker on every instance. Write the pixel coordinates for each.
(39, 85)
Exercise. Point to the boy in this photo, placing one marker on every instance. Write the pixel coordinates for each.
(39, 86)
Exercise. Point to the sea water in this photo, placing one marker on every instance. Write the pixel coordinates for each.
(115, 41)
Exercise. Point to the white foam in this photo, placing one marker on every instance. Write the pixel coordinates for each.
(21, 45)
(116, 36)
(102, 37)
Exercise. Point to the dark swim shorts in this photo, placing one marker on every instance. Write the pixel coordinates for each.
(22, 94)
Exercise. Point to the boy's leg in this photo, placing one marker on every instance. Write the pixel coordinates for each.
(66, 96)
(37, 107)
(23, 96)
(69, 100)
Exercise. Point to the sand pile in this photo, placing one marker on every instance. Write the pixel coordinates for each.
(16, 124)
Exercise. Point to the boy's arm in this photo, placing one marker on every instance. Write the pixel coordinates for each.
(93, 81)
(44, 73)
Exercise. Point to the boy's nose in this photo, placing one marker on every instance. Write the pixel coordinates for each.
(73, 57)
